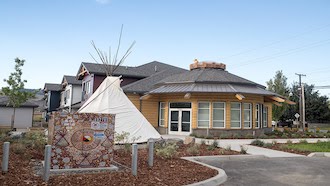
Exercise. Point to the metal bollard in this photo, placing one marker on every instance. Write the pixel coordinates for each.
(48, 151)
(151, 153)
(5, 157)
(134, 159)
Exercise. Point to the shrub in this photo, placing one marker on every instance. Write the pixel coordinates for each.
(210, 147)
(168, 151)
(222, 151)
(36, 140)
(263, 136)
(228, 148)
(249, 136)
(243, 149)
(268, 145)
(18, 148)
(289, 142)
(257, 143)
(284, 135)
(223, 136)
(303, 141)
(203, 142)
(215, 143)
(236, 136)
(194, 149)
(274, 142)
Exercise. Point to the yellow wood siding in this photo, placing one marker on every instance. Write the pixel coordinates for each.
(150, 106)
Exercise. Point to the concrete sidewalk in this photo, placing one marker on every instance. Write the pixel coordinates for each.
(235, 144)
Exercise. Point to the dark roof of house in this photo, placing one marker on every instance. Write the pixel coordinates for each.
(71, 80)
(147, 84)
(52, 87)
(4, 102)
(141, 71)
(211, 88)
(208, 75)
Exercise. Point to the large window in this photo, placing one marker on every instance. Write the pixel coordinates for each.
(257, 116)
(235, 115)
(264, 116)
(87, 87)
(219, 115)
(203, 115)
(247, 115)
(161, 114)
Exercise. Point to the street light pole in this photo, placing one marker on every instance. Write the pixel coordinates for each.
(300, 101)
(303, 106)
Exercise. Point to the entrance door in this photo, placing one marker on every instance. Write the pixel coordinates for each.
(180, 121)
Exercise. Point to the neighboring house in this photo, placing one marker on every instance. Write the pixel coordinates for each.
(93, 74)
(23, 114)
(52, 97)
(71, 93)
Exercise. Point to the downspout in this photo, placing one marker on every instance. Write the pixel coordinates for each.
(71, 97)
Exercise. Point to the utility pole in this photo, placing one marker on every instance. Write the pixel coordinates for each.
(302, 115)
(303, 105)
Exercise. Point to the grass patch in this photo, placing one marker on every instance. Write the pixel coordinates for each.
(310, 147)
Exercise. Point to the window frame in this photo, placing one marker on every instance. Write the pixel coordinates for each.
(240, 115)
(224, 115)
(257, 117)
(160, 114)
(250, 110)
(265, 117)
(209, 120)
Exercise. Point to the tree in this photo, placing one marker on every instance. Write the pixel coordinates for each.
(15, 89)
(279, 85)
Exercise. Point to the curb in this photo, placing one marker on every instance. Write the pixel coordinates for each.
(214, 181)
(319, 154)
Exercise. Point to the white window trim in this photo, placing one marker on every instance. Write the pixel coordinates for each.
(240, 116)
(251, 109)
(224, 115)
(209, 114)
(257, 116)
(160, 109)
(265, 120)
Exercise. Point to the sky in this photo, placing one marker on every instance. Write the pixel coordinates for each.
(253, 38)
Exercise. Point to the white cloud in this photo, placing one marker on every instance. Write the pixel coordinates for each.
(103, 1)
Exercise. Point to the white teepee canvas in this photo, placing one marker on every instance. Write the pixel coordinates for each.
(109, 98)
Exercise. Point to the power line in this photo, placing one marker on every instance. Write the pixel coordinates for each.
(284, 53)
(275, 42)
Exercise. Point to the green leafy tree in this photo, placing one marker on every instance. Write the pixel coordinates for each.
(279, 85)
(15, 89)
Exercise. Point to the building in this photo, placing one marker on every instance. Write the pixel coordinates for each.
(52, 97)
(23, 114)
(71, 93)
(206, 100)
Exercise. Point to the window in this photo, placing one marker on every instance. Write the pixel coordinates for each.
(87, 87)
(235, 115)
(247, 115)
(219, 115)
(203, 115)
(161, 114)
(264, 116)
(67, 93)
(257, 116)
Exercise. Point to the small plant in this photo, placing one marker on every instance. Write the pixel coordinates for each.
(210, 147)
(223, 136)
(243, 149)
(203, 142)
(284, 136)
(257, 143)
(18, 148)
(222, 151)
(263, 136)
(215, 143)
(303, 141)
(274, 142)
(228, 148)
(249, 136)
(268, 145)
(289, 142)
(168, 151)
(194, 149)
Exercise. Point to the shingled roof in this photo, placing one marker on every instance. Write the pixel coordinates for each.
(71, 80)
(4, 102)
(207, 75)
(52, 87)
(147, 84)
(141, 71)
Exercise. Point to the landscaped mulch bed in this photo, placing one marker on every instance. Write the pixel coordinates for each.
(174, 171)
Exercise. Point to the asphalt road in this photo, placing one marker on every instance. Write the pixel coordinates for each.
(314, 171)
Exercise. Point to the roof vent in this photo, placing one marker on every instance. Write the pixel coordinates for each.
(204, 64)
(155, 68)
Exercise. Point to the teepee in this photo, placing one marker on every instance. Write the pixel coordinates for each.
(109, 98)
